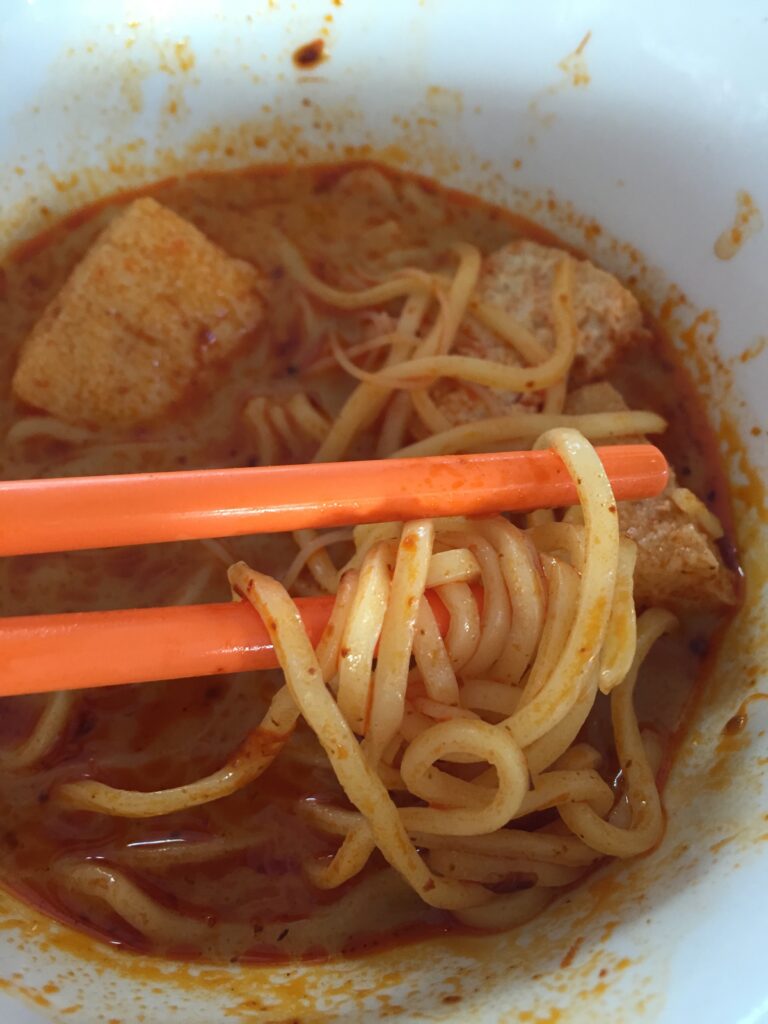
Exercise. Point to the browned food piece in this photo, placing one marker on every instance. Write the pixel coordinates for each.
(518, 278)
(678, 563)
(600, 397)
(151, 304)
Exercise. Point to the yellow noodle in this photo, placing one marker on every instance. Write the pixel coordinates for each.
(554, 788)
(285, 430)
(525, 427)
(348, 861)
(696, 509)
(408, 582)
(433, 419)
(515, 843)
(647, 820)
(554, 399)
(563, 540)
(472, 731)
(255, 415)
(580, 755)
(547, 749)
(496, 616)
(621, 638)
(463, 634)
(343, 536)
(254, 755)
(519, 563)
(368, 535)
(558, 695)
(164, 926)
(47, 732)
(329, 648)
(439, 710)
(172, 929)
(359, 412)
(394, 425)
(507, 911)
(336, 821)
(353, 770)
(460, 291)
(414, 724)
(370, 377)
(515, 334)
(328, 362)
(432, 659)
(361, 635)
(168, 854)
(33, 427)
(483, 742)
(319, 562)
(218, 550)
(403, 284)
(621, 814)
(489, 870)
(539, 517)
(499, 375)
(488, 695)
(313, 423)
(562, 597)
(458, 565)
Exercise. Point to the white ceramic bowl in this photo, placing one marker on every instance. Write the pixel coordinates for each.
(651, 130)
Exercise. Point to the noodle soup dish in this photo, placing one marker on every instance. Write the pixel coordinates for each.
(400, 780)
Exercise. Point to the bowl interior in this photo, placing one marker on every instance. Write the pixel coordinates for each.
(611, 124)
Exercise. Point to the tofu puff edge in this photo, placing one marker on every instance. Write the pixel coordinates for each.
(678, 564)
(518, 279)
(151, 303)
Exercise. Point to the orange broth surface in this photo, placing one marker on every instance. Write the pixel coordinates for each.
(166, 734)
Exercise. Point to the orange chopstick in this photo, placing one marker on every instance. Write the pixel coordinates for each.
(42, 653)
(109, 511)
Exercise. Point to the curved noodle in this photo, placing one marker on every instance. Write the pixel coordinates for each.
(442, 743)
(173, 929)
(643, 795)
(255, 754)
(361, 634)
(359, 781)
(601, 546)
(492, 374)
(403, 283)
(524, 427)
(47, 732)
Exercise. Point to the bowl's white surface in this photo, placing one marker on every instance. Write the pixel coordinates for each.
(673, 122)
